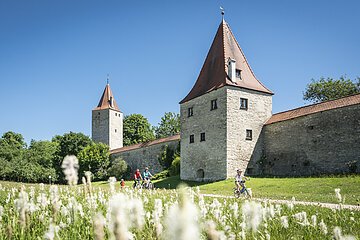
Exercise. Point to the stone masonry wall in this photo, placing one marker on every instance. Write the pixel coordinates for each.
(100, 126)
(146, 156)
(240, 150)
(206, 160)
(319, 143)
(116, 129)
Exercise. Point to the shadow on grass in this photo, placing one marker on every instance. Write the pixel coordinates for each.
(174, 182)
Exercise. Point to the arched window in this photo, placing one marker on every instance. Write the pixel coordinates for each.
(200, 173)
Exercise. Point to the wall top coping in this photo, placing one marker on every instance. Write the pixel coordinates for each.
(314, 108)
(146, 144)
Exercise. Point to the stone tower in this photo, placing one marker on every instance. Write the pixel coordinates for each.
(107, 121)
(223, 114)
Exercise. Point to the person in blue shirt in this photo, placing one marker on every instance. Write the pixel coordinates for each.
(146, 176)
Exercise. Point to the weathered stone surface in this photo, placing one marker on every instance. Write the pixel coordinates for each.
(226, 147)
(319, 143)
(204, 161)
(147, 156)
(239, 149)
(107, 127)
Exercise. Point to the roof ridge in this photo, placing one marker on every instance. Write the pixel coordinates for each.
(314, 104)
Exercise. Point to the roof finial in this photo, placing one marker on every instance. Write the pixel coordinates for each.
(107, 79)
(222, 12)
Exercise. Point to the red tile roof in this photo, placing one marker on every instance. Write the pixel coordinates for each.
(141, 145)
(107, 100)
(314, 108)
(213, 74)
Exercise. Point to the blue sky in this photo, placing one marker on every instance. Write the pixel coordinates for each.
(55, 55)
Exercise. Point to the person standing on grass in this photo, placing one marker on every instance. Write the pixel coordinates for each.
(122, 183)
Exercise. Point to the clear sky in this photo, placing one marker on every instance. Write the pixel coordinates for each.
(55, 55)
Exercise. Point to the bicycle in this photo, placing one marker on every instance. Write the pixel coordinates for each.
(147, 184)
(137, 184)
(243, 192)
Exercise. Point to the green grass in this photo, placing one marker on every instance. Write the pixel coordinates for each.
(315, 189)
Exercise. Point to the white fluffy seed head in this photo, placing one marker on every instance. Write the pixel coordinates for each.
(338, 195)
(252, 215)
(70, 166)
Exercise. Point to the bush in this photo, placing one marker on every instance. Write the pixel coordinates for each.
(161, 175)
(118, 168)
(175, 167)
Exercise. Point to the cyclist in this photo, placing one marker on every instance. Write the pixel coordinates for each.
(147, 175)
(137, 177)
(240, 181)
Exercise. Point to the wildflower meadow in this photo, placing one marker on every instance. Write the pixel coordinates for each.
(87, 212)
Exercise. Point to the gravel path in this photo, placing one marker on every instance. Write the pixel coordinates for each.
(325, 205)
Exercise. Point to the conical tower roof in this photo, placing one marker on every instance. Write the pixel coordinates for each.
(214, 73)
(107, 100)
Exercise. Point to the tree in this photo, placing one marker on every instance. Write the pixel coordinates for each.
(118, 168)
(12, 145)
(330, 89)
(68, 144)
(169, 125)
(42, 152)
(96, 159)
(137, 129)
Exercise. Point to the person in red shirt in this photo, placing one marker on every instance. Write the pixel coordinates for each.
(122, 183)
(137, 178)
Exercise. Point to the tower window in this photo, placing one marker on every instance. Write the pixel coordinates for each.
(238, 73)
(192, 138)
(115, 114)
(248, 134)
(115, 130)
(202, 137)
(213, 104)
(243, 103)
(190, 111)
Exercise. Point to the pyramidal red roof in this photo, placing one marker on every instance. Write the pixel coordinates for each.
(214, 73)
(107, 100)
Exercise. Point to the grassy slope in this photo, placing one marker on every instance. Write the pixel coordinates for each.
(306, 189)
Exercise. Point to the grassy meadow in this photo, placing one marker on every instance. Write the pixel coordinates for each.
(105, 211)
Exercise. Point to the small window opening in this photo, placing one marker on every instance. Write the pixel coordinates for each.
(202, 137)
(248, 134)
(238, 73)
(243, 103)
(213, 104)
(190, 111)
(192, 138)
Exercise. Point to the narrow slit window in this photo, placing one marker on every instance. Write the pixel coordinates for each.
(202, 137)
(190, 112)
(192, 138)
(213, 104)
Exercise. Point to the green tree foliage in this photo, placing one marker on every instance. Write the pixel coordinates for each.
(137, 129)
(330, 89)
(168, 155)
(68, 144)
(118, 168)
(26, 165)
(96, 159)
(175, 166)
(168, 126)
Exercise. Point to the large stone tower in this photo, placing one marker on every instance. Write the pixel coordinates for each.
(107, 121)
(223, 114)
